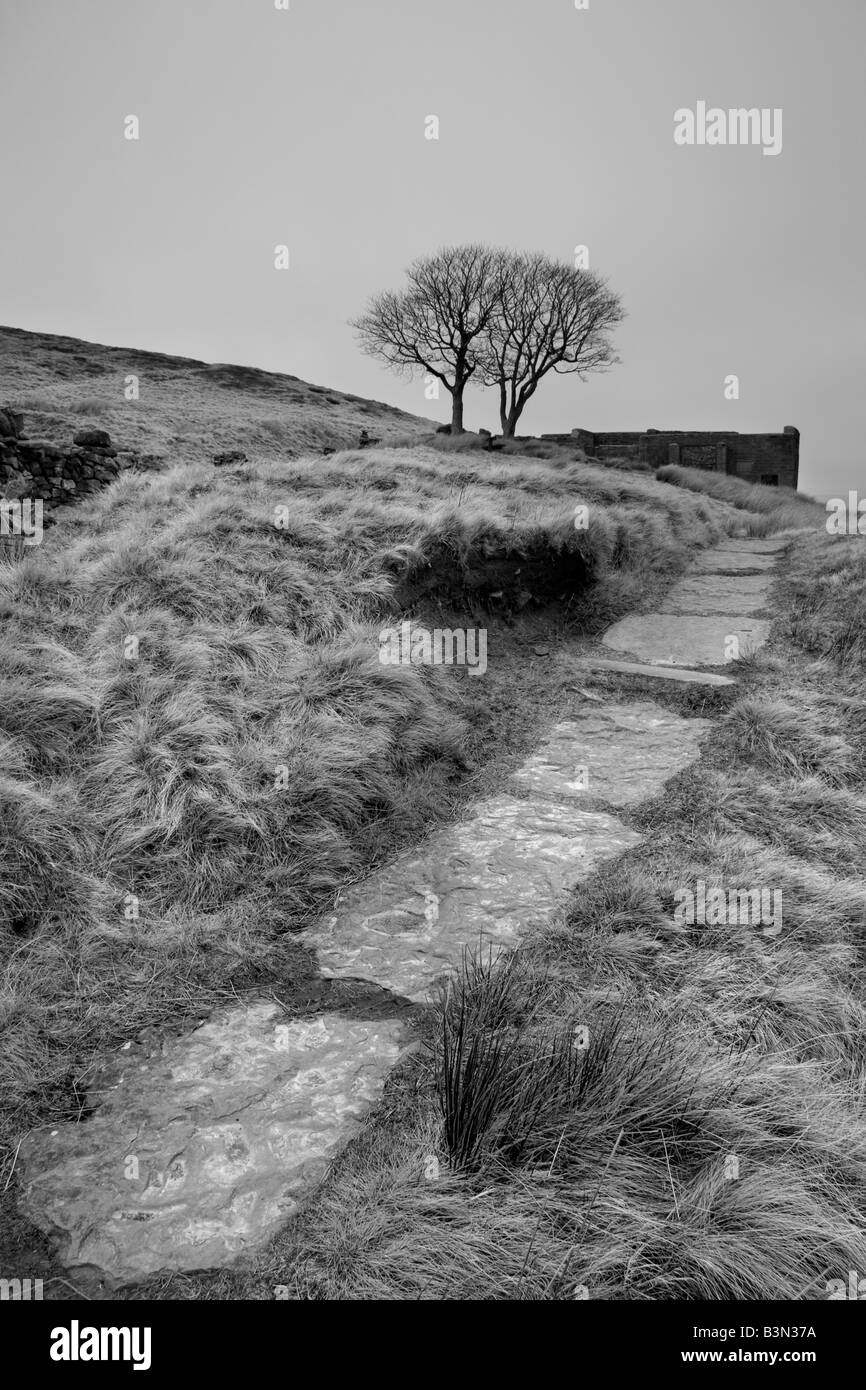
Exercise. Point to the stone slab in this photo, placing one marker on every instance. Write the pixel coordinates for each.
(201, 1147)
(679, 640)
(661, 673)
(761, 545)
(621, 754)
(718, 561)
(478, 882)
(706, 594)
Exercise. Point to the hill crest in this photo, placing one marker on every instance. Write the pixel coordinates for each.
(186, 409)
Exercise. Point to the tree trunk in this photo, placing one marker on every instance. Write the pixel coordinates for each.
(457, 412)
(510, 409)
(509, 422)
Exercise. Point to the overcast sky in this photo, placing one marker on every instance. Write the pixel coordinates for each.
(306, 127)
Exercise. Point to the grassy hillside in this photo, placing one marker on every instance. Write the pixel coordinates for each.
(764, 509)
(177, 805)
(710, 1143)
(186, 409)
(157, 776)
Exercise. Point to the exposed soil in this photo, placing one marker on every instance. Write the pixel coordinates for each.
(506, 583)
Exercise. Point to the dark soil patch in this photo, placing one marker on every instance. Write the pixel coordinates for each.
(507, 583)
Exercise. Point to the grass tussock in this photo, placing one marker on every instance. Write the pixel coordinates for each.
(471, 442)
(758, 510)
(828, 611)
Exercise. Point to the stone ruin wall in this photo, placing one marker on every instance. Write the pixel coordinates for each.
(56, 474)
(757, 458)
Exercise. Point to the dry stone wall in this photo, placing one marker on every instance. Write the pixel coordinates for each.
(56, 474)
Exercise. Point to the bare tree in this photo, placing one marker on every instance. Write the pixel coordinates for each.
(548, 317)
(434, 324)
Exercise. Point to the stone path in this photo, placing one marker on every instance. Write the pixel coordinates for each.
(619, 749)
(728, 594)
(706, 619)
(680, 674)
(474, 883)
(667, 639)
(201, 1147)
(202, 1139)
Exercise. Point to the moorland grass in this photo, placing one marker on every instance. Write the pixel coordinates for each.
(173, 811)
(709, 1142)
(761, 510)
(201, 745)
(61, 383)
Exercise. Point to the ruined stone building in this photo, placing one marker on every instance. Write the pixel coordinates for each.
(771, 459)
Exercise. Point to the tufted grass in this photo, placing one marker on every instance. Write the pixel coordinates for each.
(175, 809)
(171, 818)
